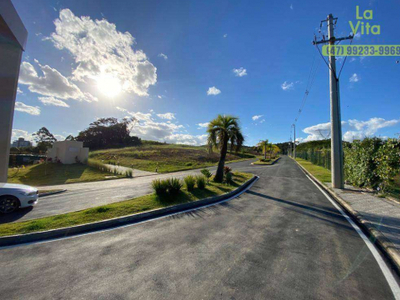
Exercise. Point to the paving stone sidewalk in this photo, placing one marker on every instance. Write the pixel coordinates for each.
(379, 214)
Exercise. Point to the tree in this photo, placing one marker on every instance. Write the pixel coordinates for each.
(107, 133)
(44, 139)
(221, 130)
(70, 138)
(263, 145)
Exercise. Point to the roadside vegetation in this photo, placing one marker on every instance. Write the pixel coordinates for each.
(322, 174)
(371, 163)
(54, 173)
(124, 208)
(222, 130)
(269, 151)
(162, 158)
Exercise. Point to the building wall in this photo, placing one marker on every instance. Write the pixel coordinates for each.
(68, 152)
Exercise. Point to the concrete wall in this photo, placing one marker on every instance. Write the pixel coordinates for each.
(68, 152)
(12, 42)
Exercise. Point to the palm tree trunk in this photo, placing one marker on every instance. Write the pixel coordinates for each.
(219, 176)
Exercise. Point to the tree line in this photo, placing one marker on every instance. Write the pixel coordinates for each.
(102, 133)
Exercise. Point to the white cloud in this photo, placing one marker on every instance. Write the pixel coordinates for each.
(187, 139)
(59, 137)
(32, 110)
(52, 83)
(167, 116)
(225, 35)
(355, 129)
(240, 72)
(287, 86)
(99, 48)
(52, 101)
(354, 78)
(256, 117)
(159, 97)
(19, 91)
(203, 125)
(163, 56)
(213, 91)
(291, 6)
(149, 129)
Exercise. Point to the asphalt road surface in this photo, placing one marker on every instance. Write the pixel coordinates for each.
(282, 239)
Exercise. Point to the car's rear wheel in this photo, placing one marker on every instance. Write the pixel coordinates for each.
(8, 204)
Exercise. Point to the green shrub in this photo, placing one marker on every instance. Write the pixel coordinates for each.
(174, 185)
(206, 173)
(387, 162)
(160, 186)
(227, 170)
(190, 182)
(201, 181)
(229, 178)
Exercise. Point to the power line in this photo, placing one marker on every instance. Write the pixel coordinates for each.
(311, 77)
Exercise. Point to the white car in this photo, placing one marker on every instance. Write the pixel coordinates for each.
(14, 196)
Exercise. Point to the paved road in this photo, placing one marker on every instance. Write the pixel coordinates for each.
(281, 240)
(91, 194)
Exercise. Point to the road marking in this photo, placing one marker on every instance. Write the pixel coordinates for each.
(133, 224)
(384, 268)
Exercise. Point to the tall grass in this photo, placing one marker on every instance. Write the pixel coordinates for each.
(190, 182)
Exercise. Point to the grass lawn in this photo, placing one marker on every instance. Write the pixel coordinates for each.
(124, 208)
(322, 174)
(51, 174)
(270, 162)
(165, 158)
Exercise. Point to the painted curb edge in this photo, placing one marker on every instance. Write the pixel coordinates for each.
(120, 221)
(52, 193)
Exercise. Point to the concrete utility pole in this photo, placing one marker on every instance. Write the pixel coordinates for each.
(336, 125)
(294, 139)
(12, 42)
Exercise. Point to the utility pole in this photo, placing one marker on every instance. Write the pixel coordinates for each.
(294, 139)
(336, 126)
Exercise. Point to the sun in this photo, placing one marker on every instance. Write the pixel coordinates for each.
(109, 85)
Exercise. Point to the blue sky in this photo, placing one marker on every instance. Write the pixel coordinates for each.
(256, 59)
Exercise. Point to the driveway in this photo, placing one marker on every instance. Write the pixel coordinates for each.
(282, 239)
(91, 194)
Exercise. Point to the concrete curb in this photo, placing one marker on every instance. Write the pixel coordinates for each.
(384, 244)
(116, 222)
(275, 161)
(52, 193)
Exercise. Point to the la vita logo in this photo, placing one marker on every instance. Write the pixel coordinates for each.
(365, 27)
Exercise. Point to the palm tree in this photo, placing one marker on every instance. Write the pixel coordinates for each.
(221, 130)
(263, 145)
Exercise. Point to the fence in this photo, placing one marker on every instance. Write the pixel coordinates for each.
(317, 157)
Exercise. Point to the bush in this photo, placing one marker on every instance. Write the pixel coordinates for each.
(201, 182)
(206, 173)
(190, 181)
(229, 178)
(174, 185)
(227, 170)
(160, 186)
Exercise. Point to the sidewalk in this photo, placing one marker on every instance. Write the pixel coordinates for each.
(379, 215)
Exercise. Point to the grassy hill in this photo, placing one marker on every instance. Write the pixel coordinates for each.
(163, 157)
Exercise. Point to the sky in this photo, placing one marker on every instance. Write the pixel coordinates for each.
(176, 65)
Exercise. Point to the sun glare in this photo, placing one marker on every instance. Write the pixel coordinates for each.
(109, 85)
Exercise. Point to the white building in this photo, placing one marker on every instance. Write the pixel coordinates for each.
(21, 143)
(68, 152)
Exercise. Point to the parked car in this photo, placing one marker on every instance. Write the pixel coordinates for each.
(14, 196)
